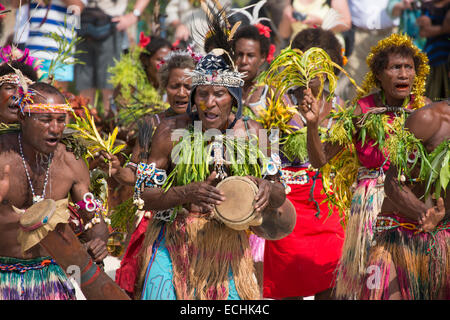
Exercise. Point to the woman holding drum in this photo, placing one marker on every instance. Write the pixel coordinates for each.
(188, 253)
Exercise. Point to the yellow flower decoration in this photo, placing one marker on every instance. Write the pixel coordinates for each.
(422, 70)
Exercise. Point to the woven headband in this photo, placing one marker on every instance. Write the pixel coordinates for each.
(13, 78)
(47, 108)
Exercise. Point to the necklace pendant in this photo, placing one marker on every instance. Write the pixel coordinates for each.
(37, 199)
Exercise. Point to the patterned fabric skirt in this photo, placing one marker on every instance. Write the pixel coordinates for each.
(366, 204)
(34, 279)
(420, 260)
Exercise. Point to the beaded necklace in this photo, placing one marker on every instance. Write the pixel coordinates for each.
(36, 198)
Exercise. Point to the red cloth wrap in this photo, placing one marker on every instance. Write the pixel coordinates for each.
(303, 263)
(126, 275)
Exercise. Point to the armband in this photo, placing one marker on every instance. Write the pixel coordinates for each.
(272, 167)
(131, 165)
(91, 204)
(147, 176)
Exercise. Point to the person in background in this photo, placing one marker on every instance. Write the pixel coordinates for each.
(434, 25)
(370, 24)
(408, 11)
(45, 19)
(103, 45)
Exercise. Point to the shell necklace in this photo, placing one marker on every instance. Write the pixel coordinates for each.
(36, 198)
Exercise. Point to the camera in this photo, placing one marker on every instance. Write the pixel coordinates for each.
(298, 16)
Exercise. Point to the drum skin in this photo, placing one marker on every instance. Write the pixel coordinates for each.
(237, 210)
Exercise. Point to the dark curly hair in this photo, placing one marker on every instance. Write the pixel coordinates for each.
(155, 44)
(251, 32)
(176, 62)
(381, 59)
(42, 89)
(317, 37)
(26, 70)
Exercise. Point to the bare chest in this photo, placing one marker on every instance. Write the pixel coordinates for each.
(51, 180)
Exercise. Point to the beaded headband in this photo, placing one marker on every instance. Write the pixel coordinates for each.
(14, 78)
(213, 70)
(46, 108)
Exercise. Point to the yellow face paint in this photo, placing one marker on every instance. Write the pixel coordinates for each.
(202, 106)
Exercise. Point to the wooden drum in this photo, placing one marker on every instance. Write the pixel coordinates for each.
(237, 210)
(46, 223)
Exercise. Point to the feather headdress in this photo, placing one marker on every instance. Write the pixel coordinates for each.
(217, 67)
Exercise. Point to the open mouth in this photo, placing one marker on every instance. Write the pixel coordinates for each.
(14, 108)
(52, 141)
(211, 116)
(402, 86)
(180, 104)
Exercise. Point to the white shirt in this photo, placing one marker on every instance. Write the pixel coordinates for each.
(193, 18)
(42, 23)
(371, 14)
(114, 8)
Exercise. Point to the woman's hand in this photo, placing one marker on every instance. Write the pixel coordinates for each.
(97, 249)
(109, 163)
(204, 194)
(263, 195)
(309, 107)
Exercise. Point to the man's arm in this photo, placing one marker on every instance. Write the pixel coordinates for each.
(129, 19)
(429, 30)
(79, 189)
(423, 123)
(402, 198)
(79, 3)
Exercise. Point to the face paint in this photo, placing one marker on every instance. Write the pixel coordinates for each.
(202, 105)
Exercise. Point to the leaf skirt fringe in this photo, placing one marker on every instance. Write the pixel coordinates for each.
(30, 280)
(366, 204)
(422, 274)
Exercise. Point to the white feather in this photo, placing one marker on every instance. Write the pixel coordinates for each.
(331, 19)
(253, 17)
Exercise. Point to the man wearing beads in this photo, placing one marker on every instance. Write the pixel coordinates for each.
(412, 232)
(43, 169)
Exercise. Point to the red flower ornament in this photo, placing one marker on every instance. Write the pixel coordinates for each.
(272, 50)
(263, 30)
(143, 40)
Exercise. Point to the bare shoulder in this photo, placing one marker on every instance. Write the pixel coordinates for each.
(76, 166)
(163, 139)
(8, 141)
(424, 122)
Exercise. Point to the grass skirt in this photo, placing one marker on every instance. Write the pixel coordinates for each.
(421, 261)
(202, 252)
(366, 204)
(33, 279)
